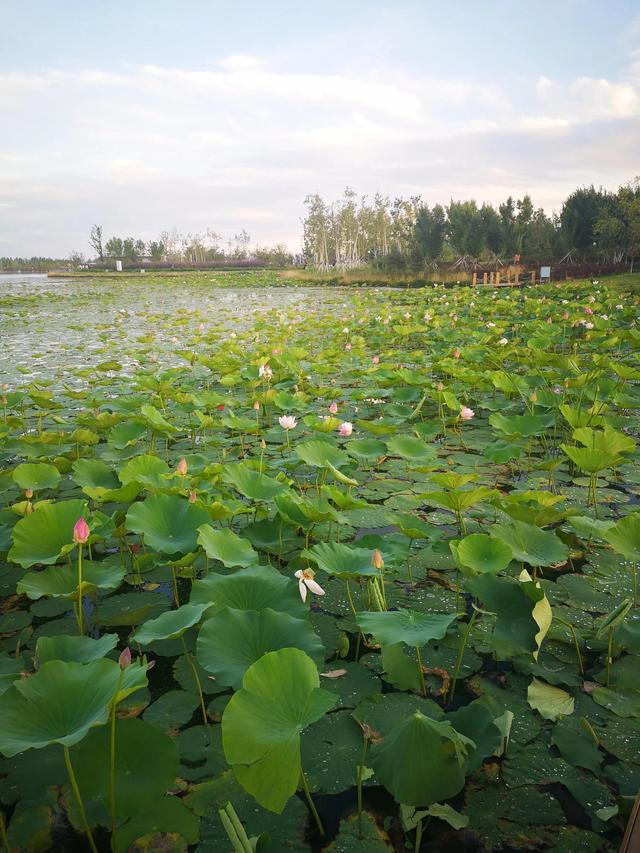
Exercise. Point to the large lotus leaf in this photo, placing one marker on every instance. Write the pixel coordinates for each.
(608, 440)
(59, 704)
(405, 626)
(231, 640)
(36, 476)
(421, 761)
(476, 722)
(10, 671)
(226, 546)
(525, 426)
(101, 483)
(156, 420)
(483, 554)
(530, 544)
(341, 560)
(515, 629)
(46, 534)
(62, 581)
(321, 454)
(70, 648)
(550, 702)
(169, 625)
(249, 589)
(578, 743)
(250, 483)
(126, 433)
(624, 537)
(368, 449)
(147, 470)
(261, 725)
(590, 460)
(138, 745)
(131, 608)
(169, 523)
(412, 449)
(304, 512)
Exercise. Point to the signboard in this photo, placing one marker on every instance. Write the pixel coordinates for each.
(545, 273)
(118, 266)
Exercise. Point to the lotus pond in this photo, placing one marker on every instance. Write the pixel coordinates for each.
(304, 569)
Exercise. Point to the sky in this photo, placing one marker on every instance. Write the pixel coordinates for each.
(144, 115)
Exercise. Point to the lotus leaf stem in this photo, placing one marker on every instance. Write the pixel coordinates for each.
(423, 687)
(78, 796)
(194, 669)
(307, 793)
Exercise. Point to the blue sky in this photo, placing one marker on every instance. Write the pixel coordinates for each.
(147, 115)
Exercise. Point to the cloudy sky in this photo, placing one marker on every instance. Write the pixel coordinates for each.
(142, 115)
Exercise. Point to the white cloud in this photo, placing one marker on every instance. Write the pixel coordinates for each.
(242, 143)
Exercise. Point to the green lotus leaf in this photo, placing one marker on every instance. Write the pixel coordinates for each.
(147, 470)
(10, 671)
(36, 476)
(126, 433)
(421, 761)
(319, 454)
(303, 512)
(524, 426)
(137, 744)
(405, 626)
(250, 589)
(169, 625)
(156, 420)
(589, 460)
(624, 537)
(261, 725)
(62, 581)
(70, 648)
(340, 560)
(231, 640)
(530, 544)
(368, 449)
(59, 704)
(483, 554)
(101, 483)
(608, 440)
(42, 537)
(513, 603)
(412, 449)
(226, 546)
(250, 483)
(169, 523)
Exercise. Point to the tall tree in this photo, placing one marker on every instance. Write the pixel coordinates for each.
(95, 240)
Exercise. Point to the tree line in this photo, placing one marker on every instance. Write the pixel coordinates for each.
(175, 247)
(408, 233)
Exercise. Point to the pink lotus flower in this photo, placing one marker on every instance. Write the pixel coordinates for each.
(333, 408)
(588, 310)
(265, 372)
(287, 422)
(345, 429)
(347, 346)
(456, 353)
(81, 531)
(375, 359)
(306, 581)
(125, 658)
(466, 413)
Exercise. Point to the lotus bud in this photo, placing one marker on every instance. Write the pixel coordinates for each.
(533, 397)
(29, 508)
(456, 353)
(125, 658)
(182, 467)
(333, 408)
(263, 444)
(256, 406)
(28, 493)
(440, 386)
(81, 531)
(192, 497)
(376, 560)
